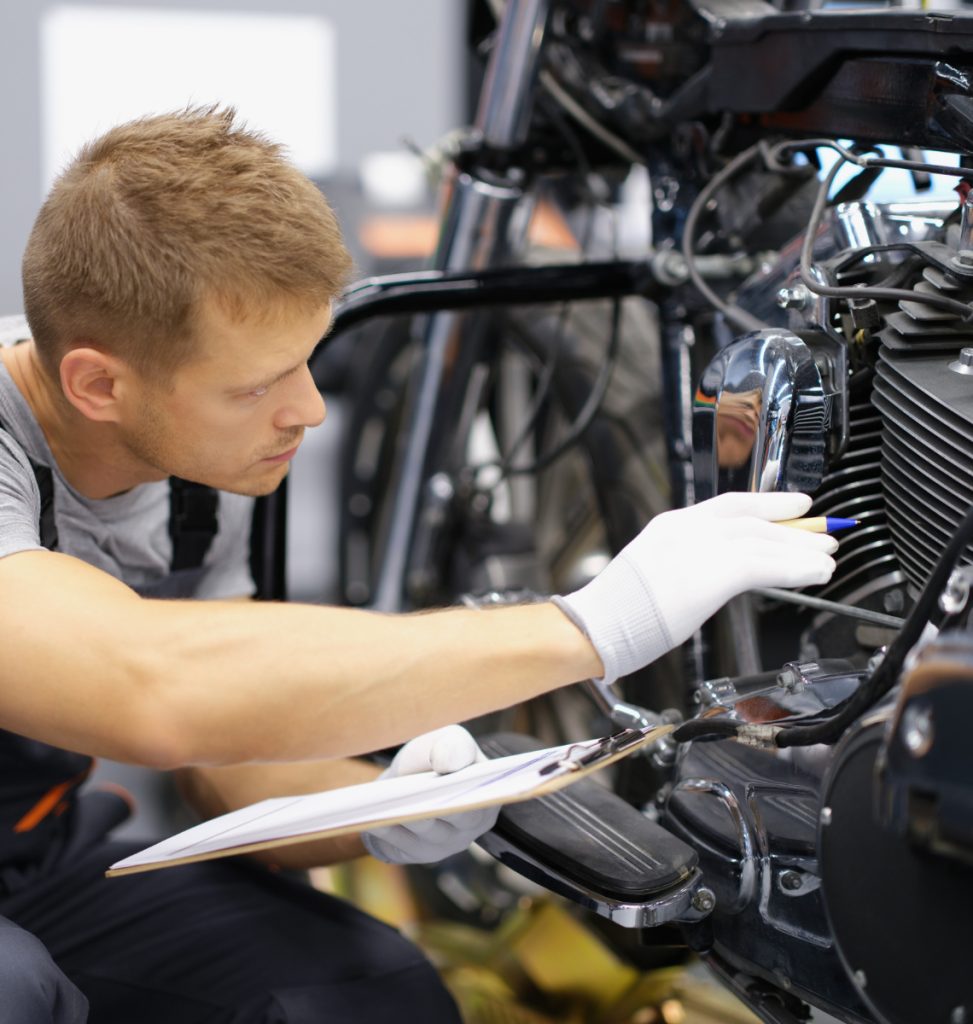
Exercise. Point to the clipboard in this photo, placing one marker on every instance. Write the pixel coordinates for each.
(284, 821)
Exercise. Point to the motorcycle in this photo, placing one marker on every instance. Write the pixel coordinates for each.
(807, 823)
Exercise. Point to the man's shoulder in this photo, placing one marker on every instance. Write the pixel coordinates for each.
(14, 462)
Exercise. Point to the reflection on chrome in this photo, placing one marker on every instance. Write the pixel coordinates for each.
(760, 417)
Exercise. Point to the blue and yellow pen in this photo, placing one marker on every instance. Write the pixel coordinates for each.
(819, 524)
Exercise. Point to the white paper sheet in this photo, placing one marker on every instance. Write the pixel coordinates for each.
(355, 808)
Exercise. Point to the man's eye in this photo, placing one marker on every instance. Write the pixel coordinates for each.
(257, 392)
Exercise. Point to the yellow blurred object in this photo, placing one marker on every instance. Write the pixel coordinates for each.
(379, 889)
(564, 958)
(540, 965)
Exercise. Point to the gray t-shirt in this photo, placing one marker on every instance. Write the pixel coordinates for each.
(128, 535)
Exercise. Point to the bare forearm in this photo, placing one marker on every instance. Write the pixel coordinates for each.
(289, 682)
(88, 665)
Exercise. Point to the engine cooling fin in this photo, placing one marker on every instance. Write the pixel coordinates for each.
(927, 455)
(852, 489)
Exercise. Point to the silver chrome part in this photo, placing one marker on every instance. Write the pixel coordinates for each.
(761, 419)
(704, 900)
(918, 731)
(916, 221)
(717, 691)
(674, 905)
(793, 298)
(825, 816)
(791, 679)
(476, 234)
(790, 881)
(838, 608)
(503, 115)
(956, 595)
(618, 712)
(859, 225)
(748, 864)
(478, 230)
(964, 362)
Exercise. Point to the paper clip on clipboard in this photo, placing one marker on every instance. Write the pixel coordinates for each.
(609, 749)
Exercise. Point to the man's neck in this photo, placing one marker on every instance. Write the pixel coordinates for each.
(88, 454)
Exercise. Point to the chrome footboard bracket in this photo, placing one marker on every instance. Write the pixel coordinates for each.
(685, 903)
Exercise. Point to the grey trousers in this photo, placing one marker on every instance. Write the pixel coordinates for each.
(32, 986)
(223, 942)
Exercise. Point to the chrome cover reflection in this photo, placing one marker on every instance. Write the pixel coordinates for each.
(760, 418)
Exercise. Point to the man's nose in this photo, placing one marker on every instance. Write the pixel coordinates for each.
(305, 406)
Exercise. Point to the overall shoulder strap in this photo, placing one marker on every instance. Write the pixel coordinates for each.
(45, 484)
(192, 522)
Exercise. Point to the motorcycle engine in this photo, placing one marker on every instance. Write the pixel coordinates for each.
(795, 843)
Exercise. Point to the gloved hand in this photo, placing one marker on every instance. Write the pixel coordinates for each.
(685, 565)
(423, 842)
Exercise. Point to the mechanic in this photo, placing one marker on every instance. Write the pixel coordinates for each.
(177, 280)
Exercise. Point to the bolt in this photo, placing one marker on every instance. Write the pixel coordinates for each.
(790, 679)
(894, 601)
(964, 259)
(917, 730)
(860, 980)
(791, 881)
(793, 298)
(704, 901)
(441, 487)
(964, 362)
(825, 816)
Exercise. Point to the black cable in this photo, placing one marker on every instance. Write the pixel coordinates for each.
(698, 728)
(771, 155)
(547, 377)
(505, 464)
(859, 159)
(735, 314)
(886, 673)
(589, 410)
(961, 309)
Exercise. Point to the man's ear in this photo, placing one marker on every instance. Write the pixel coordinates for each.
(95, 383)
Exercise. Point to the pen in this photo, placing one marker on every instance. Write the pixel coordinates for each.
(819, 524)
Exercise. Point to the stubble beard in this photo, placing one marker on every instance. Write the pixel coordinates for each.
(152, 445)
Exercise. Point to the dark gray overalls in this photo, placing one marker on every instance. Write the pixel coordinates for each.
(224, 941)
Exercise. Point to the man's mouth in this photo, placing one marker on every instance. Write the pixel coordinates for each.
(284, 456)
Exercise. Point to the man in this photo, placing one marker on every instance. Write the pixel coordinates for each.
(176, 282)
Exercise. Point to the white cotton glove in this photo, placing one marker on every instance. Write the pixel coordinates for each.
(423, 842)
(685, 565)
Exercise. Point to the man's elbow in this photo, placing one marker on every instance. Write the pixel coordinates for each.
(156, 729)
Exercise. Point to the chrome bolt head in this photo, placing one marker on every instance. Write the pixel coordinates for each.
(704, 901)
(918, 732)
(793, 298)
(963, 363)
(790, 880)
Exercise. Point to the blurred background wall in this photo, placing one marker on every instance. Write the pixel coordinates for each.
(334, 80)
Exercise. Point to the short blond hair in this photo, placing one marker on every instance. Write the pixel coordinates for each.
(162, 213)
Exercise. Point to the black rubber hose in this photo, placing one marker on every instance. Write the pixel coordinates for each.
(697, 728)
(887, 672)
